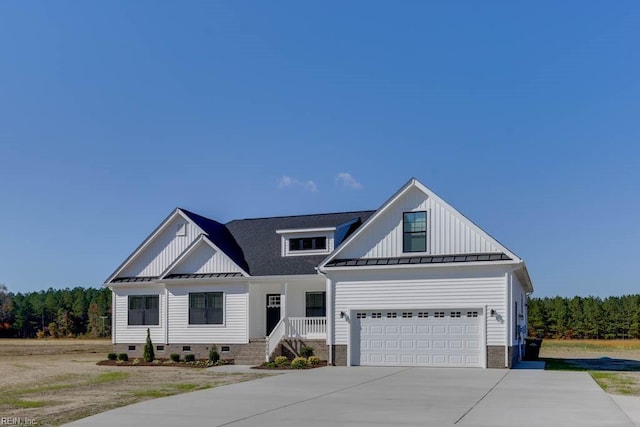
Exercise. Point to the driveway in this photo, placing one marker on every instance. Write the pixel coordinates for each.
(383, 397)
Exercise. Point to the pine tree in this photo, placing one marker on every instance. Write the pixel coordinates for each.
(148, 354)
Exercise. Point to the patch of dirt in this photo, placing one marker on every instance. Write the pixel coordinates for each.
(57, 381)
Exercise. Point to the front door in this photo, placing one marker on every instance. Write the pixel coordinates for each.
(273, 311)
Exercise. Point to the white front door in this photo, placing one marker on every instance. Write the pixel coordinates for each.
(443, 337)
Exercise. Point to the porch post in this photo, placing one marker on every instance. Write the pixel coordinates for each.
(283, 300)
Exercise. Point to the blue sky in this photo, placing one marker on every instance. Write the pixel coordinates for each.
(522, 115)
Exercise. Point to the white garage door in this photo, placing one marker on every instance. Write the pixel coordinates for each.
(449, 337)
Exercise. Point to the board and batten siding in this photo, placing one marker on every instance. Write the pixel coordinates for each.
(234, 329)
(162, 250)
(126, 333)
(519, 296)
(447, 231)
(428, 293)
(205, 259)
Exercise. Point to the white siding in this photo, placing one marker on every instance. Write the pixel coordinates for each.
(293, 303)
(138, 333)
(447, 231)
(161, 251)
(520, 297)
(234, 329)
(439, 289)
(258, 307)
(205, 259)
(296, 296)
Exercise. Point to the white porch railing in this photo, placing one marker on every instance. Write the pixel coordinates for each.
(274, 337)
(307, 327)
(295, 327)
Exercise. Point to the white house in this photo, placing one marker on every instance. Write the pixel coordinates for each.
(414, 283)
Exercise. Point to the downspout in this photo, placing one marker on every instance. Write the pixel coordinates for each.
(507, 316)
(329, 290)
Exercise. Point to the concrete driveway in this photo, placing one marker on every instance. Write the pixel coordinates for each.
(383, 397)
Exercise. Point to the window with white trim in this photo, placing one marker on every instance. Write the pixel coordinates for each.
(316, 304)
(206, 308)
(414, 232)
(308, 243)
(376, 315)
(439, 314)
(144, 310)
(456, 314)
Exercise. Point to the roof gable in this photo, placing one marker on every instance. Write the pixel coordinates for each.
(448, 231)
(160, 248)
(202, 257)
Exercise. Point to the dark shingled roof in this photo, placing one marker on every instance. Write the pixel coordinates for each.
(220, 236)
(262, 248)
(432, 259)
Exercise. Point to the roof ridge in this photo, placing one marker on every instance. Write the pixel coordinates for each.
(303, 215)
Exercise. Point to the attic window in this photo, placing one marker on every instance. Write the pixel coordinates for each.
(308, 243)
(181, 229)
(414, 237)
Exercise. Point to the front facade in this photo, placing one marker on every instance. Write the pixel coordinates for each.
(414, 283)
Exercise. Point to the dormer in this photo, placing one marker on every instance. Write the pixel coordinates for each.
(307, 241)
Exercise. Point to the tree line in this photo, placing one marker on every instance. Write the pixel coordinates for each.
(585, 318)
(55, 313)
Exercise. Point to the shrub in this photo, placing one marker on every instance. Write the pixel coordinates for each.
(123, 357)
(135, 361)
(299, 363)
(175, 357)
(112, 356)
(148, 354)
(269, 364)
(313, 360)
(189, 357)
(306, 351)
(281, 361)
(214, 356)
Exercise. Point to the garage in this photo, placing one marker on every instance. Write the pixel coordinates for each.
(421, 337)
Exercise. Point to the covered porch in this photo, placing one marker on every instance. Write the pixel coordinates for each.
(289, 310)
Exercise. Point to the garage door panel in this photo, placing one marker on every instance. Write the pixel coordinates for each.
(407, 344)
(423, 329)
(439, 329)
(455, 329)
(419, 338)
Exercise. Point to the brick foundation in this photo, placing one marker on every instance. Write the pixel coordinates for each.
(201, 351)
(495, 356)
(340, 355)
(291, 348)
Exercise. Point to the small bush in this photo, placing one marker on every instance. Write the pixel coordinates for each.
(123, 357)
(189, 357)
(214, 356)
(299, 363)
(306, 351)
(135, 361)
(112, 356)
(175, 357)
(281, 361)
(268, 364)
(313, 360)
(148, 353)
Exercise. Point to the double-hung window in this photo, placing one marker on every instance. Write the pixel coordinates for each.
(206, 308)
(414, 229)
(144, 310)
(316, 304)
